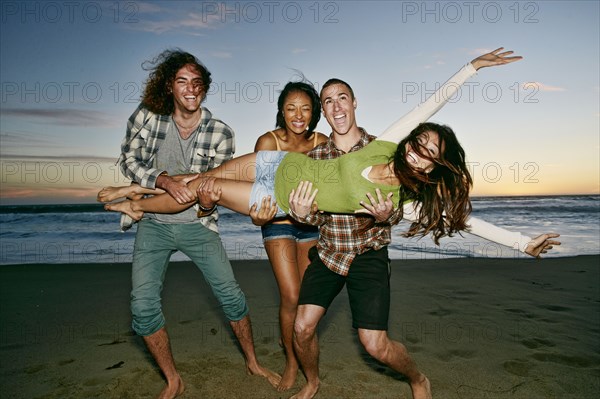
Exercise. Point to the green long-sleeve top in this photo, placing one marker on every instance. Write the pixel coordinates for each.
(341, 181)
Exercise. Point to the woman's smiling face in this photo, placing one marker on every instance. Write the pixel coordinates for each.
(429, 143)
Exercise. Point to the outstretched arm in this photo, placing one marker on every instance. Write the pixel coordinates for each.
(403, 126)
(534, 247)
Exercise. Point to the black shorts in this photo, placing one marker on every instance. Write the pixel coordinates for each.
(368, 285)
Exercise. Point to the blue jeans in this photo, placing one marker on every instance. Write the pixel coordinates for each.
(154, 244)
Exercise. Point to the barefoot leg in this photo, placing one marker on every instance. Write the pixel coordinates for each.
(235, 195)
(133, 191)
(243, 332)
(282, 254)
(126, 208)
(242, 168)
(159, 346)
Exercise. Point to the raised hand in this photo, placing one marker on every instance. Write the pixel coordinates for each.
(496, 57)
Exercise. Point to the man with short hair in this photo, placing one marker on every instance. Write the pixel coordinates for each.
(352, 248)
(348, 242)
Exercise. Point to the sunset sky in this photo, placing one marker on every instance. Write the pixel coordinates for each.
(71, 75)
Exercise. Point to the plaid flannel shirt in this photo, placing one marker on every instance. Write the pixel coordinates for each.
(146, 131)
(342, 236)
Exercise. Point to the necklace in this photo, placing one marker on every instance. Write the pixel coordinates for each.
(186, 131)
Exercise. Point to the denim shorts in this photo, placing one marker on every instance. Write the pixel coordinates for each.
(267, 163)
(296, 232)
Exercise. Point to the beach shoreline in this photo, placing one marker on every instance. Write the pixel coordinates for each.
(478, 327)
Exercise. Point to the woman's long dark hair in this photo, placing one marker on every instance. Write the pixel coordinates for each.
(444, 192)
(158, 96)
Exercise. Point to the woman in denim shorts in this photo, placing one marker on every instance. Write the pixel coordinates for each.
(286, 241)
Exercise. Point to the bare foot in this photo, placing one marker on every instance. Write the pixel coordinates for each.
(289, 377)
(307, 392)
(124, 207)
(172, 391)
(132, 192)
(421, 389)
(108, 194)
(261, 371)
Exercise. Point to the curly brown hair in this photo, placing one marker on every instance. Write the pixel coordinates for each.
(444, 192)
(158, 96)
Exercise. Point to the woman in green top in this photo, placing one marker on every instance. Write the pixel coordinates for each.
(427, 168)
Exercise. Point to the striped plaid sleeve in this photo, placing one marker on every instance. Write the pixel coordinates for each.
(226, 147)
(138, 147)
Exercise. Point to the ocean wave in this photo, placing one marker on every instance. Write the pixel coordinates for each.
(88, 234)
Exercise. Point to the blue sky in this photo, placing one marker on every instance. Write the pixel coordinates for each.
(71, 75)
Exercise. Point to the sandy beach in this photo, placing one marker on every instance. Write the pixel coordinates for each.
(479, 328)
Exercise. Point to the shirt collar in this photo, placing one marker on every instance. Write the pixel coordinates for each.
(364, 139)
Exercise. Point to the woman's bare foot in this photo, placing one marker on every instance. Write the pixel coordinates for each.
(271, 376)
(126, 208)
(132, 192)
(108, 194)
(172, 391)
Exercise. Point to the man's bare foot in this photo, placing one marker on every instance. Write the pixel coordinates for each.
(421, 389)
(172, 390)
(289, 377)
(124, 207)
(261, 371)
(307, 392)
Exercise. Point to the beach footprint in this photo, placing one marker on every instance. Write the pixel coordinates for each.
(65, 362)
(535, 343)
(441, 312)
(521, 312)
(554, 308)
(35, 369)
(518, 367)
(566, 360)
(456, 354)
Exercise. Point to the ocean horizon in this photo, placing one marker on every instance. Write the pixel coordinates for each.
(85, 233)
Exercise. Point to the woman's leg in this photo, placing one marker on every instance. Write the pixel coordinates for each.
(289, 260)
(235, 195)
(133, 191)
(242, 168)
(282, 256)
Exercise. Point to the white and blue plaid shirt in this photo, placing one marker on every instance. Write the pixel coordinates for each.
(146, 131)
